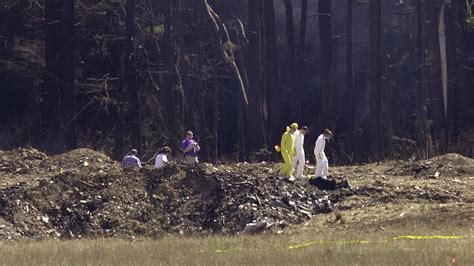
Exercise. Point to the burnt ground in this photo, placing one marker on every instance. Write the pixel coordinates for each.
(84, 194)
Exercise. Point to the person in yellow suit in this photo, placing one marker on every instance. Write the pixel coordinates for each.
(288, 149)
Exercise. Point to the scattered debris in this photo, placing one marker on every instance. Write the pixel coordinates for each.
(83, 193)
(452, 164)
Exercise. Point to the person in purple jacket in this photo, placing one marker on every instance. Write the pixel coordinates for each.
(190, 148)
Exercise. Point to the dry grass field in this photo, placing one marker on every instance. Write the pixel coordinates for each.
(311, 246)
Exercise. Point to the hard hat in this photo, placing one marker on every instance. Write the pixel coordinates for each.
(294, 125)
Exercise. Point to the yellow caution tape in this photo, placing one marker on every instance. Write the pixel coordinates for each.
(227, 250)
(360, 242)
(340, 242)
(428, 237)
(337, 242)
(303, 245)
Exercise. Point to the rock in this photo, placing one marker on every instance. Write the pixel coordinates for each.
(322, 183)
(253, 228)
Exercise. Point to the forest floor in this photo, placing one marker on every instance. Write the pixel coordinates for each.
(83, 194)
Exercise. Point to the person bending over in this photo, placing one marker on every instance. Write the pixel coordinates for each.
(161, 158)
(322, 164)
(131, 160)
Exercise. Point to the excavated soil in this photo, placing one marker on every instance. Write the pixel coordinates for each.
(83, 193)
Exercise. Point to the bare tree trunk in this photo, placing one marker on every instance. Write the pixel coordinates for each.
(271, 74)
(263, 93)
(255, 131)
(59, 58)
(458, 93)
(463, 99)
(325, 39)
(242, 152)
(443, 57)
(52, 97)
(432, 67)
(452, 69)
(304, 19)
(350, 71)
(181, 67)
(117, 110)
(215, 117)
(423, 135)
(169, 67)
(166, 42)
(290, 36)
(386, 95)
(300, 73)
(131, 77)
(67, 92)
(241, 106)
(375, 64)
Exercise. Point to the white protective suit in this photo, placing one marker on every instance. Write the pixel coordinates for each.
(161, 160)
(322, 164)
(298, 159)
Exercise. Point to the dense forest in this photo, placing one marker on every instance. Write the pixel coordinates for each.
(391, 78)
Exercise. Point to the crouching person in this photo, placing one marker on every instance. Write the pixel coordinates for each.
(131, 160)
(161, 158)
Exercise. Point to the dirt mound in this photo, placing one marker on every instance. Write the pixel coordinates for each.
(79, 159)
(83, 193)
(20, 161)
(453, 165)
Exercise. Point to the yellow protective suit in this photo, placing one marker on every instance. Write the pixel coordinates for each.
(287, 151)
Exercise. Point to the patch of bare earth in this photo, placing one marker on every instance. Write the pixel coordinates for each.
(431, 194)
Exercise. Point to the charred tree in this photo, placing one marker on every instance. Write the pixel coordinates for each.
(131, 77)
(386, 103)
(423, 134)
(51, 93)
(432, 69)
(451, 62)
(166, 40)
(458, 98)
(67, 67)
(237, 34)
(462, 63)
(325, 39)
(350, 71)
(168, 78)
(254, 117)
(375, 86)
(300, 64)
(58, 115)
(271, 74)
(291, 80)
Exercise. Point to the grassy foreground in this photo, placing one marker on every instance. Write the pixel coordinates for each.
(334, 249)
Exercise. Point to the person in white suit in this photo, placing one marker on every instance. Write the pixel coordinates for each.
(298, 159)
(322, 165)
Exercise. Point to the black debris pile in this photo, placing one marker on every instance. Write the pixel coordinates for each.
(85, 194)
(328, 184)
